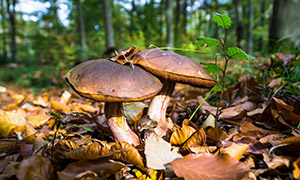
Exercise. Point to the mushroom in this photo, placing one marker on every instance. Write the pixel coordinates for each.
(112, 83)
(170, 68)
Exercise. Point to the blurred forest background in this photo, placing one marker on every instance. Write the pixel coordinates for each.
(39, 38)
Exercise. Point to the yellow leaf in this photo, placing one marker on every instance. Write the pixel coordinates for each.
(10, 120)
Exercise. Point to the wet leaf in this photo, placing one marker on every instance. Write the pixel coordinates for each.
(9, 121)
(158, 152)
(207, 166)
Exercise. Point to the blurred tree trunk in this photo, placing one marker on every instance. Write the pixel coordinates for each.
(12, 21)
(262, 23)
(184, 13)
(214, 10)
(239, 20)
(3, 57)
(250, 28)
(177, 23)
(81, 27)
(109, 31)
(161, 21)
(285, 24)
(169, 17)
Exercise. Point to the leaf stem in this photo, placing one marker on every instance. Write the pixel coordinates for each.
(202, 102)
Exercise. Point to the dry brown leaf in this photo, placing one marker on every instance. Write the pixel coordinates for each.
(207, 166)
(129, 154)
(209, 122)
(235, 112)
(9, 121)
(6, 144)
(89, 152)
(235, 150)
(35, 167)
(158, 152)
(214, 135)
(296, 171)
(197, 139)
(274, 161)
(104, 165)
(179, 136)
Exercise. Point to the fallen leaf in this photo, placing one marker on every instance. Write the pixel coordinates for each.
(103, 165)
(89, 152)
(65, 97)
(35, 167)
(158, 152)
(9, 121)
(128, 154)
(38, 120)
(296, 171)
(179, 136)
(59, 106)
(207, 166)
(214, 135)
(209, 122)
(197, 139)
(235, 150)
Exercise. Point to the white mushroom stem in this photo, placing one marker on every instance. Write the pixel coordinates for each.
(116, 121)
(158, 106)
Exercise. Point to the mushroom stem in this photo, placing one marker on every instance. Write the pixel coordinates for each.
(116, 121)
(159, 104)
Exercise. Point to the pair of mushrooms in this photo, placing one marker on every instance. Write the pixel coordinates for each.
(114, 83)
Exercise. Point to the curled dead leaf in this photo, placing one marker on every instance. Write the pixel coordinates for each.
(89, 152)
(197, 139)
(128, 154)
(179, 136)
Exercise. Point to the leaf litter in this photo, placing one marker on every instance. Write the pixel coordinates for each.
(59, 135)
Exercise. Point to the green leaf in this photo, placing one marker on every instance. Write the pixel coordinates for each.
(222, 20)
(85, 128)
(206, 41)
(218, 87)
(237, 53)
(212, 68)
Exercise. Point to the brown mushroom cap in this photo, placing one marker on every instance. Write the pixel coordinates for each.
(104, 80)
(174, 67)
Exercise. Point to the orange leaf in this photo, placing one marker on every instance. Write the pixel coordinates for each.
(296, 171)
(235, 150)
(129, 154)
(207, 166)
(59, 106)
(197, 139)
(90, 152)
(179, 136)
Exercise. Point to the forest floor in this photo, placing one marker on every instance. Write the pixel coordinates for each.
(57, 134)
